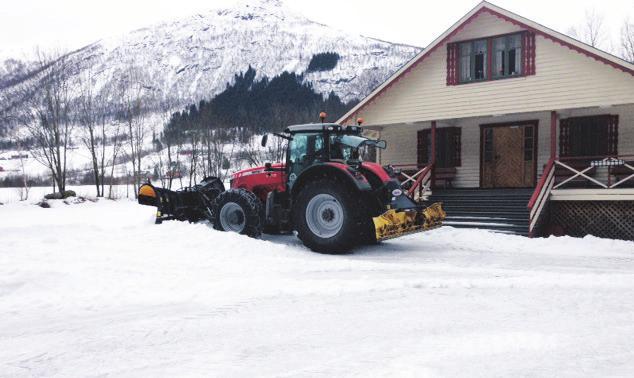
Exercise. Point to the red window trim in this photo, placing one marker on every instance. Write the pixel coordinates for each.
(452, 64)
(528, 57)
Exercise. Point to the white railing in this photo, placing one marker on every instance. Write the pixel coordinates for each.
(420, 179)
(608, 162)
(540, 196)
(548, 181)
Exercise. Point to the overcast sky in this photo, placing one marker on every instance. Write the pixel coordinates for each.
(68, 24)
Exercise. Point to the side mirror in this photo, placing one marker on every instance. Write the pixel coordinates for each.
(381, 144)
(265, 138)
(267, 165)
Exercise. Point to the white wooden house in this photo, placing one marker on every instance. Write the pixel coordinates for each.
(515, 126)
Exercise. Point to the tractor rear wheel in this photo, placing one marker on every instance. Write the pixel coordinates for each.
(326, 216)
(237, 210)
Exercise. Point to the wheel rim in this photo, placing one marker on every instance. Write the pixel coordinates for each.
(324, 215)
(232, 217)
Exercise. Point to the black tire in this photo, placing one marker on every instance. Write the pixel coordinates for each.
(369, 208)
(347, 236)
(247, 202)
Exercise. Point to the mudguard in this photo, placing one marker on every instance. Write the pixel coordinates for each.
(332, 169)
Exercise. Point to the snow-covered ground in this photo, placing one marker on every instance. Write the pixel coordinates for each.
(97, 289)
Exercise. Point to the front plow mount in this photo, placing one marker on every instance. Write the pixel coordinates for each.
(395, 223)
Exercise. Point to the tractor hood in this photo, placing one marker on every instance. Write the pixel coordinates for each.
(255, 170)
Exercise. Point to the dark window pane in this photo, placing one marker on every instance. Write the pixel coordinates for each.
(473, 60)
(512, 62)
(479, 67)
(507, 56)
(587, 136)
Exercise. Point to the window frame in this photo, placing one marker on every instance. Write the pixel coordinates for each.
(611, 140)
(423, 146)
(506, 38)
(457, 64)
(472, 60)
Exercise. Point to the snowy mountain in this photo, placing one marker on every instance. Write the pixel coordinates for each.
(193, 58)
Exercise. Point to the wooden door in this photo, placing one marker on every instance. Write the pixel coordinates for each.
(508, 156)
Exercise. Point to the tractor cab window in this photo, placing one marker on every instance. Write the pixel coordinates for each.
(344, 147)
(352, 147)
(304, 149)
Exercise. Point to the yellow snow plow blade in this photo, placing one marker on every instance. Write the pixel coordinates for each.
(393, 224)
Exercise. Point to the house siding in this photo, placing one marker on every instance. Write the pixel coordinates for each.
(564, 79)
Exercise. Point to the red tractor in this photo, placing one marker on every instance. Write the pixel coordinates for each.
(324, 191)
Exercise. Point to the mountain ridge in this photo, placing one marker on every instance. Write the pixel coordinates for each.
(193, 58)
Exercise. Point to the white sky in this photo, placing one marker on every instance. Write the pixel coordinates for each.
(68, 24)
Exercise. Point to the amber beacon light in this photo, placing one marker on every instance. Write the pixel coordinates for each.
(322, 116)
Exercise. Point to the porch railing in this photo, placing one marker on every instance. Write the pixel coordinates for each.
(540, 196)
(415, 178)
(578, 170)
(582, 168)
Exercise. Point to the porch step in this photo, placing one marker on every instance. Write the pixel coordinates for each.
(499, 210)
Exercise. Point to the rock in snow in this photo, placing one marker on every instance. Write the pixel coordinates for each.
(97, 289)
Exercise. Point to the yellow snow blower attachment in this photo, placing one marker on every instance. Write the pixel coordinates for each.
(394, 223)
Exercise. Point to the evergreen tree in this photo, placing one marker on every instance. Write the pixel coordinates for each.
(249, 106)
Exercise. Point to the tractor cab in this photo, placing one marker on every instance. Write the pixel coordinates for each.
(312, 144)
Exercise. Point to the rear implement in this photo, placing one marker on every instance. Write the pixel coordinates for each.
(188, 204)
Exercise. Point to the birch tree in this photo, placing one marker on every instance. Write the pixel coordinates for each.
(47, 116)
(131, 110)
(591, 30)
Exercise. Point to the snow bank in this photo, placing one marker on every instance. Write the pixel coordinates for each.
(98, 289)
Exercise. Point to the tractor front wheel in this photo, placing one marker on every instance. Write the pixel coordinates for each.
(237, 210)
(326, 217)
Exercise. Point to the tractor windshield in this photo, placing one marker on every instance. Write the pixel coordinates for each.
(348, 147)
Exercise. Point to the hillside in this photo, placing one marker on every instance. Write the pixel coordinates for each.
(194, 58)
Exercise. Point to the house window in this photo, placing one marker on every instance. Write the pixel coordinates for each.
(593, 136)
(448, 149)
(507, 56)
(473, 60)
(491, 58)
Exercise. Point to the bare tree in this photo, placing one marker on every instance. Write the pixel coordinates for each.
(131, 94)
(627, 41)
(194, 151)
(222, 149)
(591, 30)
(47, 116)
(24, 189)
(171, 143)
(116, 146)
(91, 116)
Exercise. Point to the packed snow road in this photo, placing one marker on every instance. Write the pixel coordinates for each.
(97, 289)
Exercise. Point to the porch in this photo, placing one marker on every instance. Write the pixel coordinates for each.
(574, 163)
